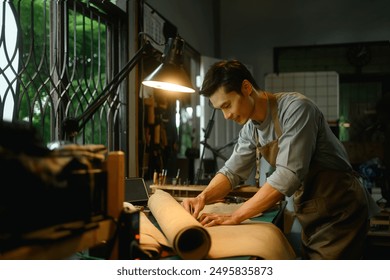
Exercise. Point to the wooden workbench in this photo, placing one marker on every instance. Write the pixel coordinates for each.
(182, 191)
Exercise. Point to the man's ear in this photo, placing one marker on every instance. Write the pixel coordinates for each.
(246, 87)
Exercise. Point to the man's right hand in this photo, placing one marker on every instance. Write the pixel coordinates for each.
(194, 205)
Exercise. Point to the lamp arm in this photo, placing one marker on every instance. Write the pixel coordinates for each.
(71, 125)
(210, 125)
(206, 136)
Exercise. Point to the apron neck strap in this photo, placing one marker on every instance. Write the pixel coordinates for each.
(274, 111)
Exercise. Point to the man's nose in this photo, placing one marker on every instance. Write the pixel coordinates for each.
(227, 114)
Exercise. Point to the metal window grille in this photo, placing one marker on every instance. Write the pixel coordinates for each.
(56, 57)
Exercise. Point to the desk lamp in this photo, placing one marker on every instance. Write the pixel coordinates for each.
(169, 75)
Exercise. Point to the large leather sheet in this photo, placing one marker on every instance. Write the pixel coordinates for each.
(190, 240)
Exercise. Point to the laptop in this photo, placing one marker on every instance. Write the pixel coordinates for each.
(136, 191)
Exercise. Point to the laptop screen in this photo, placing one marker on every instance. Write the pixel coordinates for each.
(136, 191)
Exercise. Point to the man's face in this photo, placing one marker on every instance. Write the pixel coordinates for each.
(234, 106)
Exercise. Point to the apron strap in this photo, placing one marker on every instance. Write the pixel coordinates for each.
(258, 157)
(274, 112)
(278, 131)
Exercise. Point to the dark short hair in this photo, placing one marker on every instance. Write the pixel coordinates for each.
(228, 74)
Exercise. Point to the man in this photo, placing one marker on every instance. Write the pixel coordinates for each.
(310, 163)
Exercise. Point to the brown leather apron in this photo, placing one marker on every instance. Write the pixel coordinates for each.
(330, 206)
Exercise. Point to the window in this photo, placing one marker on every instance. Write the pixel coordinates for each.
(56, 59)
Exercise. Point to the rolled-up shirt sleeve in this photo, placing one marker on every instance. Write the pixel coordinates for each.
(284, 180)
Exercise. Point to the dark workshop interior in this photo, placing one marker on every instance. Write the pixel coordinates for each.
(78, 119)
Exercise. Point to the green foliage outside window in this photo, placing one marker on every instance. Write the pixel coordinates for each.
(56, 82)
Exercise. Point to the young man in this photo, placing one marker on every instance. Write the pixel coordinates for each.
(310, 163)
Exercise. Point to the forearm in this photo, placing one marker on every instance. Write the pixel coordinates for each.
(265, 198)
(217, 189)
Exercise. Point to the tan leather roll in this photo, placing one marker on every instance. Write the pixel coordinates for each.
(184, 233)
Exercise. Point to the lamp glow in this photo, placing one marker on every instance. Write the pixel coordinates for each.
(168, 86)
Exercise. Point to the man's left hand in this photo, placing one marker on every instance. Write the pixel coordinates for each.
(212, 219)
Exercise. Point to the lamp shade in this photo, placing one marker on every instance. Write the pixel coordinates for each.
(170, 75)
